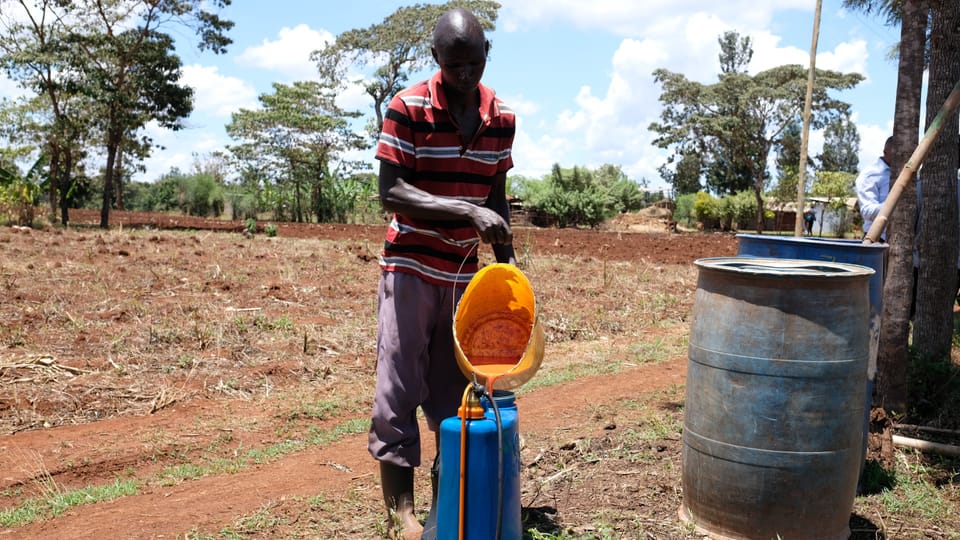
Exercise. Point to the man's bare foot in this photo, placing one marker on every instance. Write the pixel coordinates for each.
(404, 527)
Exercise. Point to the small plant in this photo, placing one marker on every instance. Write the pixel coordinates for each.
(270, 229)
(250, 225)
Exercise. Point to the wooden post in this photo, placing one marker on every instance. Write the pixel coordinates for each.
(802, 174)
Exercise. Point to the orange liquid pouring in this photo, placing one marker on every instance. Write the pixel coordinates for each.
(491, 369)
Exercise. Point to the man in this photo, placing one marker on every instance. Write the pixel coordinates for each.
(444, 152)
(809, 217)
(873, 186)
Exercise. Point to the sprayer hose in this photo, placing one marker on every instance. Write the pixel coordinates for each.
(463, 459)
(496, 414)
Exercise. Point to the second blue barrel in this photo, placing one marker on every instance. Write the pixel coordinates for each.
(829, 250)
(774, 397)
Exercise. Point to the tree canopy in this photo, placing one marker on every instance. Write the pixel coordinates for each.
(293, 141)
(396, 47)
(736, 122)
(102, 70)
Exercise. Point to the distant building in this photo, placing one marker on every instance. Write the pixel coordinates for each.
(830, 220)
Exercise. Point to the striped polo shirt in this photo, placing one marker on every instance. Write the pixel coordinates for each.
(419, 135)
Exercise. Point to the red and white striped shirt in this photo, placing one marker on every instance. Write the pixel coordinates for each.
(418, 134)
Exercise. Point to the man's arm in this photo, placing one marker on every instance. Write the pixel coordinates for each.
(868, 194)
(397, 195)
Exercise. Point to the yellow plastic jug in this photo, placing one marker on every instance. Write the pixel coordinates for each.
(496, 332)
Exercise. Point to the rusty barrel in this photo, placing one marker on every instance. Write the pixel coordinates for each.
(773, 418)
(834, 250)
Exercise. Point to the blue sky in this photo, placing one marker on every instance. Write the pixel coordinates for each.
(578, 72)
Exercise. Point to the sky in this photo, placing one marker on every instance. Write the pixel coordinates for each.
(578, 73)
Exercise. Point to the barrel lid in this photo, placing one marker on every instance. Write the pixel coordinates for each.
(844, 243)
(762, 266)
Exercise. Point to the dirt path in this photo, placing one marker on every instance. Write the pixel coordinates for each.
(213, 502)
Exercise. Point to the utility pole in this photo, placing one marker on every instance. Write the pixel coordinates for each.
(802, 175)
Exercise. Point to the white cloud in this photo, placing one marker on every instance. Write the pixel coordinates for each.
(180, 149)
(289, 54)
(218, 95)
(848, 57)
(534, 157)
(768, 53)
(872, 138)
(521, 105)
(353, 97)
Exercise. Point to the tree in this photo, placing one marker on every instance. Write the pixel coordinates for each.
(841, 147)
(685, 178)
(298, 134)
(893, 354)
(112, 57)
(735, 123)
(56, 120)
(788, 163)
(625, 194)
(397, 46)
(937, 233)
(134, 74)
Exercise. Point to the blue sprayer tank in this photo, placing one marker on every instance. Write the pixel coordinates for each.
(482, 485)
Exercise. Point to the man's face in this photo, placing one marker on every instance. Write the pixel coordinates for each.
(461, 66)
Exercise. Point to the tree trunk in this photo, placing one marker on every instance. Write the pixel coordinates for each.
(893, 357)
(113, 142)
(118, 179)
(54, 178)
(758, 193)
(64, 182)
(937, 231)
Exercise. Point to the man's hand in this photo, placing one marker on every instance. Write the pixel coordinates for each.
(491, 227)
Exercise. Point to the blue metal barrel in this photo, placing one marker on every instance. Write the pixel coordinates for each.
(482, 486)
(774, 397)
(833, 250)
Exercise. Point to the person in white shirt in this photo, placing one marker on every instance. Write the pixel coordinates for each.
(873, 186)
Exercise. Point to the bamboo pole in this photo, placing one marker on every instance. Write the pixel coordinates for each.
(804, 139)
(909, 171)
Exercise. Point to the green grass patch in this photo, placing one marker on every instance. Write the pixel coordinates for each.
(56, 501)
(547, 378)
(914, 494)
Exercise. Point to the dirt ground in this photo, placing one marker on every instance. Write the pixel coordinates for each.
(229, 379)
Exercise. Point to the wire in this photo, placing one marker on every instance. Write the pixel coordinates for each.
(496, 414)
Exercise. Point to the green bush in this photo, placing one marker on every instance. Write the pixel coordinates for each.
(574, 197)
(17, 202)
(684, 213)
(202, 195)
(706, 208)
(738, 211)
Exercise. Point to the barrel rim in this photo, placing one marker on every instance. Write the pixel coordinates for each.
(777, 267)
(837, 242)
